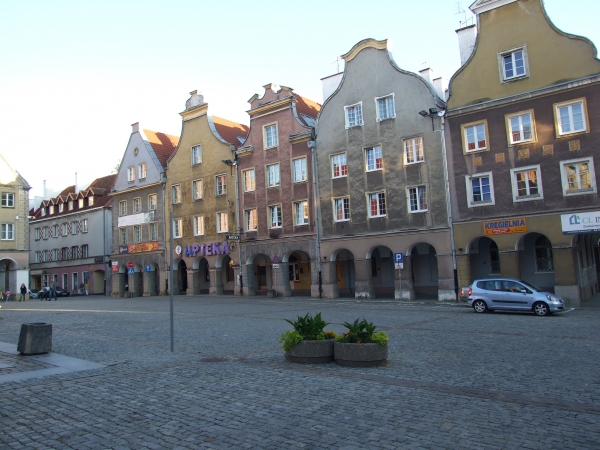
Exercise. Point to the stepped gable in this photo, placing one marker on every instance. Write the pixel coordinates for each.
(164, 145)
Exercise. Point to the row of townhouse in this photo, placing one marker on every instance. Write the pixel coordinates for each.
(494, 176)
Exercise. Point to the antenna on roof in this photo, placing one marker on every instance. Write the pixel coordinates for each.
(337, 61)
(462, 11)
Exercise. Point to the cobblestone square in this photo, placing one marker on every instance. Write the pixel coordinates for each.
(454, 379)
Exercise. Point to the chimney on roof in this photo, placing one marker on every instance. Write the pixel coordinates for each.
(44, 189)
(439, 84)
(330, 84)
(427, 74)
(467, 36)
(135, 127)
(194, 100)
(76, 182)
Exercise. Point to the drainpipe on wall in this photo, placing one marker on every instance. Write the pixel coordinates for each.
(237, 217)
(449, 206)
(313, 147)
(164, 239)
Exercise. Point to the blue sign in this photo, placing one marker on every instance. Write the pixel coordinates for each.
(148, 268)
(398, 258)
(131, 271)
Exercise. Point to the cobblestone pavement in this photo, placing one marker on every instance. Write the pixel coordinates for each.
(454, 380)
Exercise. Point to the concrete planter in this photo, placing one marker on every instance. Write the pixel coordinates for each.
(35, 338)
(311, 352)
(360, 355)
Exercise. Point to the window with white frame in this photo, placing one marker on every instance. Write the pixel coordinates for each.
(142, 171)
(275, 216)
(74, 252)
(137, 205)
(177, 228)
(248, 180)
(8, 200)
(65, 229)
(198, 189)
(55, 230)
(64, 253)
(37, 234)
(377, 207)
(51, 209)
(198, 225)
(526, 183)
(520, 127)
(61, 207)
(7, 232)
(413, 150)
(153, 231)
(578, 176)
(221, 184)
(299, 173)
(480, 189)
(176, 194)
(270, 136)
(196, 155)
(74, 282)
(373, 158)
(85, 251)
(74, 227)
(222, 226)
(137, 234)
(55, 255)
(44, 233)
(475, 137)
(84, 226)
(341, 207)
(273, 175)
(90, 201)
(251, 219)
(301, 213)
(123, 236)
(339, 166)
(417, 199)
(385, 107)
(152, 202)
(514, 64)
(81, 203)
(354, 116)
(70, 205)
(571, 117)
(131, 173)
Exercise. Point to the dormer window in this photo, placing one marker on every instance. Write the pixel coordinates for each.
(51, 209)
(70, 205)
(513, 64)
(43, 211)
(61, 207)
(90, 201)
(80, 203)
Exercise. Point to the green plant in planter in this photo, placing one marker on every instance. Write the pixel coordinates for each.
(362, 332)
(305, 328)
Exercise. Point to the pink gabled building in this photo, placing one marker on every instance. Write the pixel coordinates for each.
(277, 215)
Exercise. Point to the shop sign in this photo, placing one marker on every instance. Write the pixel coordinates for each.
(136, 219)
(98, 259)
(123, 249)
(588, 222)
(115, 266)
(211, 249)
(141, 248)
(507, 226)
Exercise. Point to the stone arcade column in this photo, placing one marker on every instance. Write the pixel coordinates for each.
(363, 284)
(329, 284)
(249, 288)
(565, 276)
(135, 284)
(509, 264)
(463, 267)
(149, 283)
(283, 287)
(193, 282)
(407, 290)
(314, 279)
(118, 284)
(446, 291)
(216, 281)
(163, 274)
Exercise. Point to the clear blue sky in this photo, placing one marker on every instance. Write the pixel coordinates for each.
(76, 74)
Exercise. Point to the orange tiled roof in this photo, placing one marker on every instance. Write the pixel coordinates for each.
(307, 107)
(164, 145)
(230, 130)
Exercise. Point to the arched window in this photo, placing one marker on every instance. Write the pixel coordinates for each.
(494, 258)
(543, 255)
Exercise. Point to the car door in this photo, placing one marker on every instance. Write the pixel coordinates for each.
(495, 294)
(516, 296)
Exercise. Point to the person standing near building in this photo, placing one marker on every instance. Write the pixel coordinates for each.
(52, 292)
(23, 292)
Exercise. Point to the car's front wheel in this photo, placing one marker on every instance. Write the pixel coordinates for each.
(479, 306)
(541, 309)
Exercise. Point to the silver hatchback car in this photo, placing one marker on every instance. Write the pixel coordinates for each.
(509, 294)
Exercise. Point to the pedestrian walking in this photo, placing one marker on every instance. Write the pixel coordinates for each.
(52, 292)
(81, 288)
(7, 296)
(23, 292)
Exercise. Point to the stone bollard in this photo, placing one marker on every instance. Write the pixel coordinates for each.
(35, 338)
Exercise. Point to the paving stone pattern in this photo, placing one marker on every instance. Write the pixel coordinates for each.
(454, 380)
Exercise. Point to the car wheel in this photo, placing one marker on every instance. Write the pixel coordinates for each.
(541, 309)
(479, 306)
